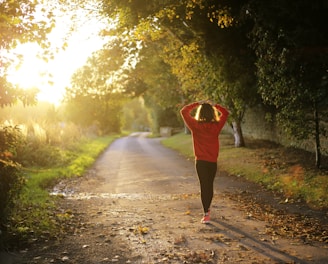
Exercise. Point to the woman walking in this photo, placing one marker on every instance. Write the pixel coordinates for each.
(205, 128)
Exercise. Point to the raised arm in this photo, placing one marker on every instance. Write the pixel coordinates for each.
(185, 113)
(224, 114)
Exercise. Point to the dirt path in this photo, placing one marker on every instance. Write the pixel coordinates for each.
(140, 204)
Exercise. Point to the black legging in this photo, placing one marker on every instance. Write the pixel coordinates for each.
(206, 172)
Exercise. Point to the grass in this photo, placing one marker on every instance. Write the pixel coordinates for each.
(288, 171)
(35, 211)
(81, 158)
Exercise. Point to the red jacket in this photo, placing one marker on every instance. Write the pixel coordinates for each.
(205, 135)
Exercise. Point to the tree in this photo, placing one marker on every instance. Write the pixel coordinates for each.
(9, 94)
(206, 46)
(292, 62)
(228, 62)
(96, 88)
(224, 73)
(24, 21)
(153, 80)
(135, 116)
(20, 22)
(12, 179)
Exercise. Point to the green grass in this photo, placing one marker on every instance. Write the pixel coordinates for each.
(271, 167)
(35, 211)
(180, 142)
(81, 158)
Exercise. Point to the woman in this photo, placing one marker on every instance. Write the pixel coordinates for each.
(205, 128)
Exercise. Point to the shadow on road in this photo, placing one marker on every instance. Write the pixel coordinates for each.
(249, 242)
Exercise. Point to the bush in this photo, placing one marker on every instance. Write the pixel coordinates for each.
(44, 145)
(11, 182)
(33, 154)
(11, 178)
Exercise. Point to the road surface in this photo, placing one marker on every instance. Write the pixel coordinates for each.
(140, 203)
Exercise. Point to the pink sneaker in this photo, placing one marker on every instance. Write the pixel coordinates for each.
(206, 218)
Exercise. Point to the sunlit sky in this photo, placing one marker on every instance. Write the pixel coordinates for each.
(34, 71)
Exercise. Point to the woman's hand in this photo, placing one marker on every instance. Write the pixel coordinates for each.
(210, 102)
(206, 102)
(202, 102)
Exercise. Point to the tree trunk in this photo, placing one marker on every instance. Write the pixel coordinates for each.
(187, 130)
(317, 139)
(238, 134)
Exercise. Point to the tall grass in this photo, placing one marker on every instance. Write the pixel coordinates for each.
(267, 166)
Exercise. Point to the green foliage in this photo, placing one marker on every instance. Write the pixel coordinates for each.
(11, 182)
(153, 80)
(42, 145)
(292, 64)
(98, 85)
(21, 23)
(192, 69)
(207, 48)
(11, 178)
(135, 116)
(9, 139)
(41, 155)
(104, 115)
(204, 48)
(10, 95)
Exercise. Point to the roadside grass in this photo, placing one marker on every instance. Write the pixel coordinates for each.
(35, 214)
(288, 171)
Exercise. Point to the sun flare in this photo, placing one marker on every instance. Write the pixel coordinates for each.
(33, 72)
(53, 76)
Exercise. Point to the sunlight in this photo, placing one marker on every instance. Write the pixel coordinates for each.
(52, 77)
(28, 74)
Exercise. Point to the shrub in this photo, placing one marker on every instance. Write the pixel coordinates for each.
(44, 145)
(11, 182)
(33, 154)
(11, 178)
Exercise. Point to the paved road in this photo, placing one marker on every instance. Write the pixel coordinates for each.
(146, 178)
(141, 165)
(140, 204)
